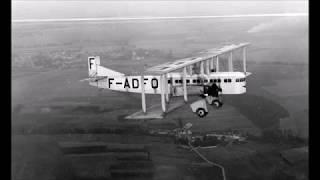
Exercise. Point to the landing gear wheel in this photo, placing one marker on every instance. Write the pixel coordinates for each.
(217, 103)
(201, 112)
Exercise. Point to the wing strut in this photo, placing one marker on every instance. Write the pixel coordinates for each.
(201, 68)
(190, 69)
(167, 87)
(185, 94)
(163, 101)
(143, 95)
(211, 64)
(230, 62)
(244, 54)
(217, 64)
(207, 67)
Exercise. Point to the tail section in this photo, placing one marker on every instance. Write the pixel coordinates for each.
(95, 70)
(248, 74)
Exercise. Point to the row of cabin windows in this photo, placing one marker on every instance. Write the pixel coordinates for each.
(205, 81)
(196, 81)
(240, 80)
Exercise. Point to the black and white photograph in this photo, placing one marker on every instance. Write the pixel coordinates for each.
(159, 90)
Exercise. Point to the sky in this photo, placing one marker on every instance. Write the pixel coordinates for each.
(98, 9)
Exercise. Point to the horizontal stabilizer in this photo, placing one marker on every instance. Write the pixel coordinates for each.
(86, 79)
(248, 74)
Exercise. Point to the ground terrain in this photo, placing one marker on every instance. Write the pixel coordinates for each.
(50, 104)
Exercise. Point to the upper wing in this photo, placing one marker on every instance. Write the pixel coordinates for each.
(201, 56)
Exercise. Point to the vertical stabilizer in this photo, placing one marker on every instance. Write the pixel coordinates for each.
(93, 63)
(95, 69)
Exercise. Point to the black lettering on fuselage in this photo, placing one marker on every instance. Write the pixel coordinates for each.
(90, 62)
(154, 83)
(135, 83)
(126, 84)
(110, 81)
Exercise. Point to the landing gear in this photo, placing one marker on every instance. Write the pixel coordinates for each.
(200, 108)
(214, 101)
(201, 112)
(217, 103)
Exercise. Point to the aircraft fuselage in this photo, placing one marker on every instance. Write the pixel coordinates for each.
(230, 83)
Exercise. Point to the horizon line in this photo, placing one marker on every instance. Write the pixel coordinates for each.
(157, 18)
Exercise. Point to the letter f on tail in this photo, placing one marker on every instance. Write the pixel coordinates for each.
(95, 70)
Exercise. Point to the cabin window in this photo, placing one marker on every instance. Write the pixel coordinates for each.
(219, 80)
(198, 80)
(225, 80)
(176, 81)
(215, 80)
(188, 81)
(169, 81)
(180, 81)
(211, 80)
(205, 80)
(194, 81)
(229, 80)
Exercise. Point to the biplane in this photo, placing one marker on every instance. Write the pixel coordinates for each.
(173, 78)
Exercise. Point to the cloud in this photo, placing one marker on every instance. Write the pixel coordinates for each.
(277, 24)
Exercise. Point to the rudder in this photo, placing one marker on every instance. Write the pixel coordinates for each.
(95, 69)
